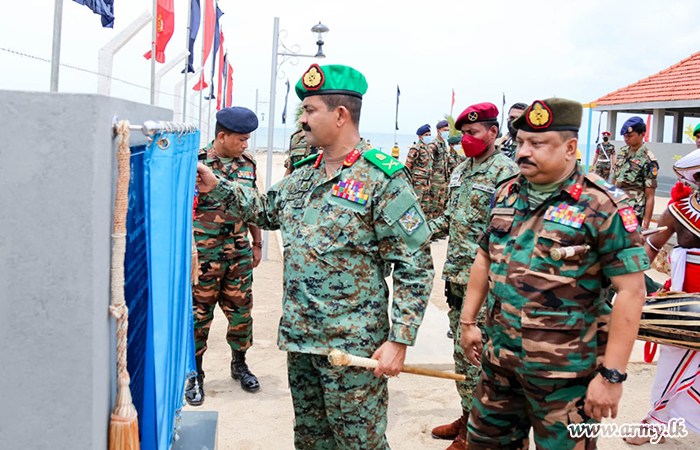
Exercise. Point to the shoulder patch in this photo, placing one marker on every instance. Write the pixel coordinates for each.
(616, 194)
(306, 160)
(388, 164)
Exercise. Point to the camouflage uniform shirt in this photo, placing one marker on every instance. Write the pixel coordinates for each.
(216, 231)
(419, 162)
(441, 173)
(341, 236)
(633, 173)
(467, 212)
(546, 318)
(298, 149)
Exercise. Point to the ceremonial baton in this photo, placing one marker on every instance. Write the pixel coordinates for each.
(570, 252)
(338, 358)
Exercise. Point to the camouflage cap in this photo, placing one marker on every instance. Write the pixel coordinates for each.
(331, 79)
(552, 114)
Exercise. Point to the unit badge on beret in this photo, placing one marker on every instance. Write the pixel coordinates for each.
(630, 129)
(472, 116)
(313, 78)
(539, 116)
(411, 220)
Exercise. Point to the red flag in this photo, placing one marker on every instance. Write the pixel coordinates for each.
(229, 86)
(209, 25)
(221, 71)
(453, 101)
(165, 24)
(646, 135)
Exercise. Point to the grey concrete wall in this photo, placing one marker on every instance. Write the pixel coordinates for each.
(665, 154)
(57, 182)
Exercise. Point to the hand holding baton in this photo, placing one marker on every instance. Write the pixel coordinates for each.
(338, 358)
(573, 250)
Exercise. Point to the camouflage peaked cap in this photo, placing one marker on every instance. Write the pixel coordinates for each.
(331, 79)
(552, 114)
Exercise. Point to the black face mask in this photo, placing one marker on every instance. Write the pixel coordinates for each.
(512, 131)
(605, 139)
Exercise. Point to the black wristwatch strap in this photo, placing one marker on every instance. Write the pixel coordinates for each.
(612, 375)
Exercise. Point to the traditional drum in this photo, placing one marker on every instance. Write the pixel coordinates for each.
(672, 319)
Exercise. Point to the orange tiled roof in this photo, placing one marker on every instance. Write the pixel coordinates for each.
(681, 81)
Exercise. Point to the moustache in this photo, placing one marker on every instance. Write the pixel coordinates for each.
(525, 161)
(305, 127)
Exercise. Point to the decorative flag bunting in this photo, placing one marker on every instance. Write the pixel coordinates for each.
(165, 24)
(104, 8)
(224, 74)
(217, 43)
(195, 18)
(453, 102)
(209, 24)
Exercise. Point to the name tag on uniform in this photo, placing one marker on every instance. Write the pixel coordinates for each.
(245, 173)
(455, 179)
(503, 212)
(484, 188)
(351, 190)
(566, 215)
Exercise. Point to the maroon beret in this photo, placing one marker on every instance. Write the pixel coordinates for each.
(481, 112)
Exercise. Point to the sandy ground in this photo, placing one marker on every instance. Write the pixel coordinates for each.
(264, 420)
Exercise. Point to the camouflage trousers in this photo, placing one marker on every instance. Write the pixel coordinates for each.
(506, 405)
(421, 187)
(230, 284)
(438, 199)
(462, 365)
(342, 408)
(603, 169)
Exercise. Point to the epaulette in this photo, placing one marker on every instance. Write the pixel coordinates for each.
(616, 194)
(388, 164)
(247, 155)
(651, 156)
(309, 158)
(503, 189)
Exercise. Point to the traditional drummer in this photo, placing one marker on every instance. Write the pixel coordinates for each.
(554, 354)
(676, 389)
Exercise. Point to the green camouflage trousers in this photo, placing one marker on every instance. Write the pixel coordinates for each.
(603, 169)
(228, 283)
(437, 200)
(462, 365)
(506, 405)
(342, 408)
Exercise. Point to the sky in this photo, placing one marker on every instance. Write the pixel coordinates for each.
(577, 49)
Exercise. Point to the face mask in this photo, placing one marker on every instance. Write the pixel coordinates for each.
(426, 139)
(605, 139)
(512, 131)
(472, 146)
(445, 134)
(458, 147)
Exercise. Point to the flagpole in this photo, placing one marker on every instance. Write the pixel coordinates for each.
(209, 119)
(187, 65)
(154, 34)
(56, 48)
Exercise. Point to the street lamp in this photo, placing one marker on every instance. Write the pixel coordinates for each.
(279, 49)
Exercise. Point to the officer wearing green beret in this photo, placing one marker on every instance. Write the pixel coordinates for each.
(554, 354)
(347, 217)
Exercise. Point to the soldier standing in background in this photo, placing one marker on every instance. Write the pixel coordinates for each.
(636, 170)
(465, 217)
(604, 158)
(441, 163)
(346, 215)
(226, 259)
(555, 354)
(298, 150)
(507, 143)
(419, 163)
(456, 155)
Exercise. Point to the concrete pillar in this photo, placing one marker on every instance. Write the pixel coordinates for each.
(678, 127)
(612, 123)
(657, 132)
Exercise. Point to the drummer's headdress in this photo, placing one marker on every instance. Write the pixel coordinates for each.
(688, 166)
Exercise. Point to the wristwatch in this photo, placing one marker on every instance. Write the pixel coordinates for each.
(612, 375)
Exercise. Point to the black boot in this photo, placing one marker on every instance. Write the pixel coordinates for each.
(240, 371)
(194, 391)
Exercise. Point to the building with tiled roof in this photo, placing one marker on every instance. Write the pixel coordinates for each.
(672, 92)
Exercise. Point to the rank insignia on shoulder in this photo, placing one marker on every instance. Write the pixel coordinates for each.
(386, 163)
(614, 190)
(411, 220)
(246, 173)
(564, 214)
(351, 190)
(629, 219)
(576, 191)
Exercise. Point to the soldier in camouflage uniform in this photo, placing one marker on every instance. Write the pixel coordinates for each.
(471, 188)
(419, 163)
(226, 259)
(346, 215)
(298, 150)
(554, 236)
(636, 170)
(507, 143)
(441, 168)
(456, 157)
(604, 157)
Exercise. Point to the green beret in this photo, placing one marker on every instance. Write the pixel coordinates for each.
(552, 114)
(454, 140)
(331, 79)
(696, 130)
